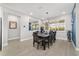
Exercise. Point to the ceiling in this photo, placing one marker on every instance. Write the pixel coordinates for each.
(41, 10)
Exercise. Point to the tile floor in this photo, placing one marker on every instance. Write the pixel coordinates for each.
(25, 48)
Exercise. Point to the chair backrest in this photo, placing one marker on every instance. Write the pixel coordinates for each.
(50, 35)
(54, 34)
(34, 35)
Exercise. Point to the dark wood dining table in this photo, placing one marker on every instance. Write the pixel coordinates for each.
(43, 36)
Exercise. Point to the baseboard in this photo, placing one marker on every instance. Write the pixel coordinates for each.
(5, 44)
(13, 38)
(26, 39)
(61, 38)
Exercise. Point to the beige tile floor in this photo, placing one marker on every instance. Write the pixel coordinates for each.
(25, 48)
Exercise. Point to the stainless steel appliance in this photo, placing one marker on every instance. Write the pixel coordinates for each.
(0, 34)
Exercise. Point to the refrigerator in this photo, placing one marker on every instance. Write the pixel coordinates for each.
(0, 34)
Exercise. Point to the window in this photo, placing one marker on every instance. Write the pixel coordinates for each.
(55, 25)
(33, 25)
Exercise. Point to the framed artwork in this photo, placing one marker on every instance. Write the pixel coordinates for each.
(12, 24)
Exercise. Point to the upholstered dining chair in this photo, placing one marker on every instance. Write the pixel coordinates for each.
(51, 37)
(36, 40)
(54, 36)
(47, 41)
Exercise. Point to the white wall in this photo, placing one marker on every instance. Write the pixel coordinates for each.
(25, 33)
(14, 33)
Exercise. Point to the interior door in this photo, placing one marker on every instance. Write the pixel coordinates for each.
(0, 34)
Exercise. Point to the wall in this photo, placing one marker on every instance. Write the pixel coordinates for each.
(25, 33)
(14, 33)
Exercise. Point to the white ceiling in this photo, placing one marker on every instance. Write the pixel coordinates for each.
(39, 10)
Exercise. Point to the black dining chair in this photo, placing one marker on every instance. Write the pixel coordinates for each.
(46, 39)
(51, 37)
(36, 39)
(54, 36)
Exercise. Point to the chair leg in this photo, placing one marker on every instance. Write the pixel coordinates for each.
(51, 42)
(48, 45)
(44, 45)
(33, 43)
(37, 45)
(54, 40)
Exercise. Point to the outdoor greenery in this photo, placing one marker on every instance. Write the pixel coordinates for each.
(56, 21)
(35, 26)
(57, 28)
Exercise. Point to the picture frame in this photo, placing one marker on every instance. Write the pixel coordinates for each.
(12, 24)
